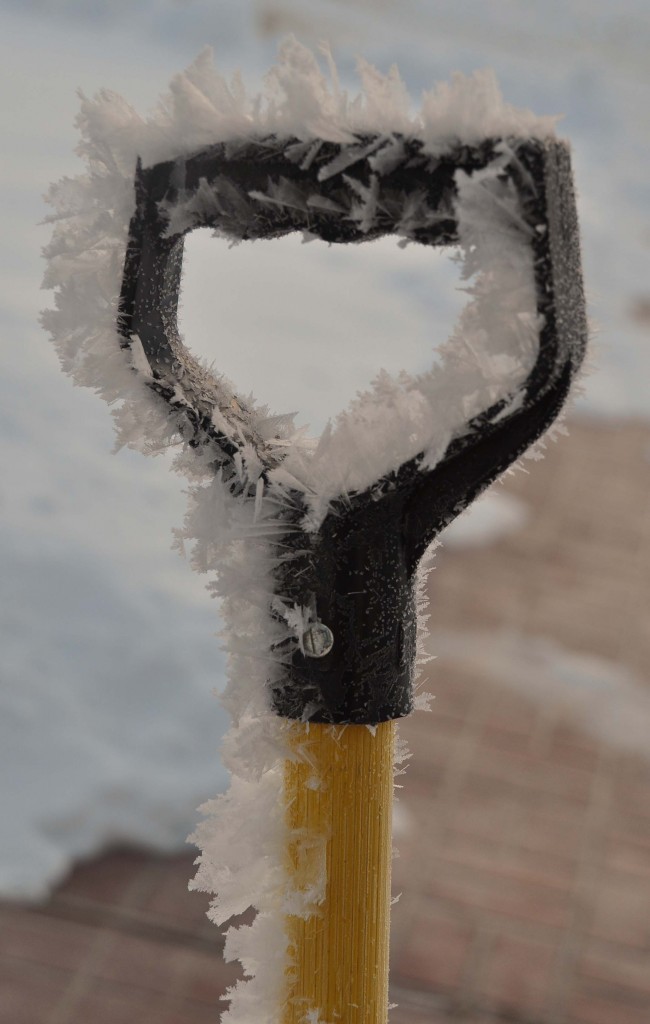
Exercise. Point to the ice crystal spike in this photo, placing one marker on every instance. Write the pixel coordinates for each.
(354, 565)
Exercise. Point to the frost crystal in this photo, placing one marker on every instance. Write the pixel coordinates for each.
(243, 838)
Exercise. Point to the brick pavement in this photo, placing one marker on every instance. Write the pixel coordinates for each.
(526, 856)
(523, 829)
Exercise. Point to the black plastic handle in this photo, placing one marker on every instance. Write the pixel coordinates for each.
(356, 573)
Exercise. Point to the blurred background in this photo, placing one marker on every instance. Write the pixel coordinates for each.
(524, 819)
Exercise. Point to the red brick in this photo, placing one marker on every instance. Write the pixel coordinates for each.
(437, 1012)
(621, 913)
(535, 775)
(503, 896)
(423, 781)
(207, 976)
(29, 993)
(167, 897)
(36, 938)
(628, 859)
(430, 757)
(495, 738)
(193, 1013)
(454, 693)
(565, 734)
(609, 967)
(508, 862)
(588, 1009)
(129, 960)
(430, 732)
(570, 747)
(630, 827)
(434, 953)
(408, 1014)
(632, 791)
(185, 973)
(551, 867)
(465, 848)
(105, 880)
(516, 975)
(551, 826)
(484, 807)
(117, 1004)
(511, 714)
(105, 1003)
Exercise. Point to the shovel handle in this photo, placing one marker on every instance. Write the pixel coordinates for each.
(339, 793)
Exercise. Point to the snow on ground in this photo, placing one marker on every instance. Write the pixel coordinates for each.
(492, 516)
(601, 698)
(108, 729)
(109, 732)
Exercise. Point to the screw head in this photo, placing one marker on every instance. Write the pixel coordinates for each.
(317, 640)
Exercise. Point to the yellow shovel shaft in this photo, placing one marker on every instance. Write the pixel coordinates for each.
(339, 793)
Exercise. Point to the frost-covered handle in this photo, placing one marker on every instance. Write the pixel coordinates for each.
(314, 551)
(355, 527)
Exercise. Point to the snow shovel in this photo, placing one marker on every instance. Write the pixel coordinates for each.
(319, 553)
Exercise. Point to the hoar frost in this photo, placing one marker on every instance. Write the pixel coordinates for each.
(243, 836)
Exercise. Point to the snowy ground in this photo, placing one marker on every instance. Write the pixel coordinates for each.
(603, 699)
(107, 725)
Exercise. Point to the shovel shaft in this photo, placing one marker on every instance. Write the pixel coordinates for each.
(339, 794)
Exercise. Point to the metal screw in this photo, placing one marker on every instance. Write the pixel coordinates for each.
(317, 640)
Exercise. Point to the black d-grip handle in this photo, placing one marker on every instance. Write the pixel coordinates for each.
(355, 574)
